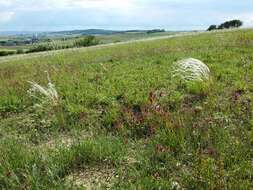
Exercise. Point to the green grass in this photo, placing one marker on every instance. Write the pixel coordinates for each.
(123, 110)
(69, 42)
(72, 42)
(131, 36)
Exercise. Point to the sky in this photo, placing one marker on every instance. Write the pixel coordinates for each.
(53, 15)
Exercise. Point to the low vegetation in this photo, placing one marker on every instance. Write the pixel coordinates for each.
(80, 42)
(53, 45)
(155, 31)
(4, 52)
(121, 120)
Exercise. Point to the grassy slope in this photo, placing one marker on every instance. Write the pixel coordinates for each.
(131, 36)
(103, 39)
(123, 111)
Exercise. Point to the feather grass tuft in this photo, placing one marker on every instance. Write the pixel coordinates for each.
(191, 70)
(48, 93)
(49, 98)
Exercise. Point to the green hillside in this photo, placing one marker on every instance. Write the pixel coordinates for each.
(27, 43)
(121, 120)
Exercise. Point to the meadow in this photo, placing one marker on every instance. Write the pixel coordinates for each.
(121, 121)
(122, 37)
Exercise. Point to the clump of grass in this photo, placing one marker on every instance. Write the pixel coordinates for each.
(48, 97)
(191, 70)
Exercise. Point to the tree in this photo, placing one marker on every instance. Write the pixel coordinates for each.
(231, 24)
(212, 27)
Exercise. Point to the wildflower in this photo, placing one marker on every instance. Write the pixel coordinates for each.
(191, 70)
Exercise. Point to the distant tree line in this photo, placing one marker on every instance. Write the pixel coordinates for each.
(155, 31)
(53, 45)
(4, 52)
(226, 25)
(14, 42)
(81, 42)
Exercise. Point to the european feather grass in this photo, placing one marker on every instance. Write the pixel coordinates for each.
(191, 70)
(48, 96)
(48, 93)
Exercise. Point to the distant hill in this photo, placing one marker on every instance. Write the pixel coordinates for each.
(61, 33)
(70, 32)
(98, 32)
(86, 32)
(17, 33)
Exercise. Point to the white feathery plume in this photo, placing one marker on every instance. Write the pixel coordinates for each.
(49, 93)
(191, 70)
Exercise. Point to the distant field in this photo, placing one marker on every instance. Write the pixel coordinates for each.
(69, 40)
(131, 36)
(12, 47)
(123, 122)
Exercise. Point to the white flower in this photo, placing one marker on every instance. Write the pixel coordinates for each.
(191, 70)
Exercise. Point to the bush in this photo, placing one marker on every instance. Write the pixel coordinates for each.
(87, 41)
(212, 27)
(7, 52)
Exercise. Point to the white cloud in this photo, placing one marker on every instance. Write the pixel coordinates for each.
(176, 14)
(30, 5)
(6, 3)
(247, 18)
(6, 16)
(98, 3)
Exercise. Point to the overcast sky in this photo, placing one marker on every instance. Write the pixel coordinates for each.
(41, 15)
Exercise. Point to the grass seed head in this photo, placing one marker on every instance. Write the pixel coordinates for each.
(48, 93)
